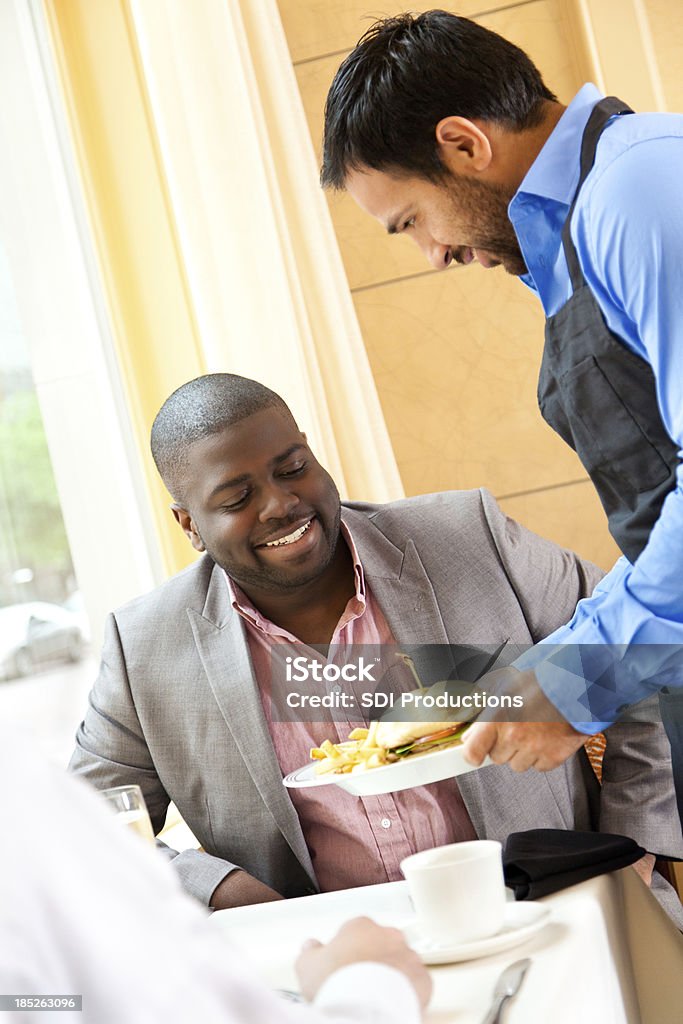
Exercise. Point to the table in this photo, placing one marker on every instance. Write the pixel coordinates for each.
(608, 955)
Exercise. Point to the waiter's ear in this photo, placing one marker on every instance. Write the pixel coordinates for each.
(186, 524)
(463, 146)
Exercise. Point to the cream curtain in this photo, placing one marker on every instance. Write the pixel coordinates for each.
(266, 282)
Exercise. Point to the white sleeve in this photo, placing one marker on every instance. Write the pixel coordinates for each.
(369, 993)
(87, 909)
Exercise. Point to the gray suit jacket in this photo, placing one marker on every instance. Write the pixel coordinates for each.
(176, 707)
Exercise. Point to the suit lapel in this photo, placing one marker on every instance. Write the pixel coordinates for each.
(398, 580)
(224, 653)
(406, 596)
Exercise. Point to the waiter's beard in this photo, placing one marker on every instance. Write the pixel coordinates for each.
(480, 211)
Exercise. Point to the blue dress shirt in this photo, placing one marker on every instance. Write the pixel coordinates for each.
(628, 232)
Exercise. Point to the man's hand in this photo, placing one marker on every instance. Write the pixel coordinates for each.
(522, 745)
(644, 867)
(361, 940)
(532, 735)
(239, 889)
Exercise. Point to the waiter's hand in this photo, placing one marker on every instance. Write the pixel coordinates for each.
(522, 745)
(533, 736)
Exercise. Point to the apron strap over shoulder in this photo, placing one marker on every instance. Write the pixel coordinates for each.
(601, 114)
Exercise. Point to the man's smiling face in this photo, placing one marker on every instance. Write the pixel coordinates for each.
(258, 501)
(460, 219)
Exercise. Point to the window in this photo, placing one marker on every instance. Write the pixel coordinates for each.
(59, 390)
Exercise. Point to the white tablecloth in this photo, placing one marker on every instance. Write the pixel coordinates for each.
(608, 954)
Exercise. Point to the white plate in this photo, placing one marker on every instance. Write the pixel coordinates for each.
(522, 920)
(418, 770)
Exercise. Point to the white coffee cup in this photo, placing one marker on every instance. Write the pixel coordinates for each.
(458, 891)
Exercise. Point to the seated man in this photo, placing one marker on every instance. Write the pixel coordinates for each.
(180, 704)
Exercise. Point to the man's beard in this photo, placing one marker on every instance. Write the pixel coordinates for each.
(273, 579)
(482, 207)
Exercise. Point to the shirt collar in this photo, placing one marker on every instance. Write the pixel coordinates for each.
(552, 175)
(244, 607)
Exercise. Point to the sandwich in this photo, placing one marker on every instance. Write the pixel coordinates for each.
(405, 739)
(385, 742)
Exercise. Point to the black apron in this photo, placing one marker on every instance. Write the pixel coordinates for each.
(600, 398)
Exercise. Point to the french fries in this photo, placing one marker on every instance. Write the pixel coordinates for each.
(357, 754)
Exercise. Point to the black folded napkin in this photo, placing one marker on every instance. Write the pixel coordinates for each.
(545, 860)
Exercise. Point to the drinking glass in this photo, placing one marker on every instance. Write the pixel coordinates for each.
(130, 808)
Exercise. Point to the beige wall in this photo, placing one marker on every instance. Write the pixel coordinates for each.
(665, 18)
(455, 355)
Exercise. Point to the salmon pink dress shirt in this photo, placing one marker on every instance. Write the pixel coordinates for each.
(352, 840)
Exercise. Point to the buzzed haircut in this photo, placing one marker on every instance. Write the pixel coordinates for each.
(409, 72)
(198, 409)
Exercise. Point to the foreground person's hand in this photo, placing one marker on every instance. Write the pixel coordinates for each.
(361, 940)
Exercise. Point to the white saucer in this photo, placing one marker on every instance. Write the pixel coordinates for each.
(522, 920)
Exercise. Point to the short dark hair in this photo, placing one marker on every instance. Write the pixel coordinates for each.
(406, 74)
(203, 406)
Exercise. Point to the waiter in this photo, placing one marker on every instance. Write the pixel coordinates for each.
(445, 131)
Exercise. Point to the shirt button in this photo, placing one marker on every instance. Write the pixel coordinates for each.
(385, 823)
(336, 689)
